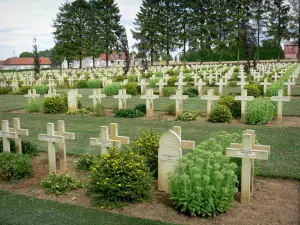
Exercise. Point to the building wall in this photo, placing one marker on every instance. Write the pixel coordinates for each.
(291, 51)
(23, 67)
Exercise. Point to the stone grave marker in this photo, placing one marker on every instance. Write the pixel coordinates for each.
(179, 98)
(122, 96)
(149, 102)
(97, 97)
(169, 153)
(184, 144)
(32, 94)
(265, 84)
(103, 141)
(161, 85)
(114, 134)
(210, 97)
(6, 134)
(200, 85)
(62, 146)
(20, 132)
(51, 138)
(221, 84)
(244, 98)
(72, 99)
(280, 99)
(180, 84)
(247, 153)
(289, 84)
(143, 85)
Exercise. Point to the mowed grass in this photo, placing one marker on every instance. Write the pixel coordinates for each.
(22, 210)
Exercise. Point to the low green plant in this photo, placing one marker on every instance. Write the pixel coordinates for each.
(99, 110)
(33, 106)
(220, 114)
(147, 145)
(188, 116)
(171, 81)
(232, 83)
(60, 184)
(141, 107)
(5, 90)
(203, 183)
(272, 90)
(23, 90)
(131, 88)
(112, 89)
(171, 109)
(153, 82)
(55, 105)
(168, 91)
(119, 78)
(129, 113)
(81, 111)
(81, 84)
(132, 78)
(234, 105)
(86, 162)
(120, 177)
(94, 84)
(191, 92)
(14, 167)
(260, 111)
(254, 90)
(28, 148)
(41, 89)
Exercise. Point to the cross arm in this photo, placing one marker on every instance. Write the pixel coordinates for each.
(53, 139)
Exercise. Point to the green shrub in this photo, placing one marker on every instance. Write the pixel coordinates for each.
(81, 111)
(14, 167)
(188, 116)
(159, 74)
(60, 184)
(149, 74)
(260, 111)
(191, 92)
(99, 110)
(94, 84)
(272, 90)
(55, 105)
(86, 162)
(81, 84)
(131, 88)
(141, 107)
(232, 83)
(23, 90)
(120, 177)
(171, 81)
(254, 90)
(188, 78)
(28, 148)
(153, 82)
(132, 78)
(168, 91)
(203, 183)
(220, 114)
(41, 89)
(112, 89)
(33, 106)
(147, 145)
(5, 90)
(171, 109)
(234, 105)
(128, 113)
(119, 78)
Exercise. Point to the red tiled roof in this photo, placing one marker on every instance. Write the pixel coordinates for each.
(26, 61)
(2, 62)
(103, 57)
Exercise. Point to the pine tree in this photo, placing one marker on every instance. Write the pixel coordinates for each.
(37, 63)
(295, 23)
(123, 42)
(278, 22)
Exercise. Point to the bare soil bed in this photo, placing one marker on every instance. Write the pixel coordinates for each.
(275, 201)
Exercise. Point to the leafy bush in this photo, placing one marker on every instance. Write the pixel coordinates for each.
(60, 184)
(141, 107)
(147, 145)
(28, 148)
(41, 89)
(132, 78)
(86, 162)
(260, 111)
(14, 167)
(33, 106)
(81, 84)
(131, 88)
(119, 78)
(55, 105)
(94, 84)
(191, 92)
(217, 177)
(220, 114)
(232, 83)
(254, 90)
(128, 113)
(153, 82)
(232, 104)
(120, 177)
(272, 90)
(5, 90)
(99, 110)
(188, 116)
(81, 111)
(171, 109)
(23, 90)
(112, 89)
(149, 74)
(168, 91)
(171, 81)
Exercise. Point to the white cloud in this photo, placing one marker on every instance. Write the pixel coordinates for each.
(22, 20)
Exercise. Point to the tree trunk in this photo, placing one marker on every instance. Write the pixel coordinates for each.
(184, 51)
(94, 62)
(68, 62)
(80, 63)
(278, 51)
(299, 32)
(106, 58)
(258, 38)
(151, 56)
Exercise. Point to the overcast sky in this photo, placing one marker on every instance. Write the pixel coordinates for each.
(22, 20)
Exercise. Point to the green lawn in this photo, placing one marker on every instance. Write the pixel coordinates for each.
(22, 210)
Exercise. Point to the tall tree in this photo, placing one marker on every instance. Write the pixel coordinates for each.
(278, 20)
(146, 29)
(37, 63)
(26, 55)
(124, 48)
(295, 23)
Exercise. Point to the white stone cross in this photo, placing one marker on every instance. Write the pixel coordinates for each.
(51, 85)
(280, 99)
(221, 84)
(97, 97)
(71, 80)
(179, 98)
(103, 141)
(6, 134)
(243, 98)
(184, 144)
(114, 135)
(196, 77)
(51, 138)
(210, 78)
(289, 84)
(62, 146)
(276, 77)
(210, 97)
(180, 84)
(73, 99)
(242, 84)
(161, 85)
(247, 153)
(143, 85)
(122, 96)
(15, 86)
(149, 102)
(265, 84)
(20, 132)
(32, 94)
(200, 84)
